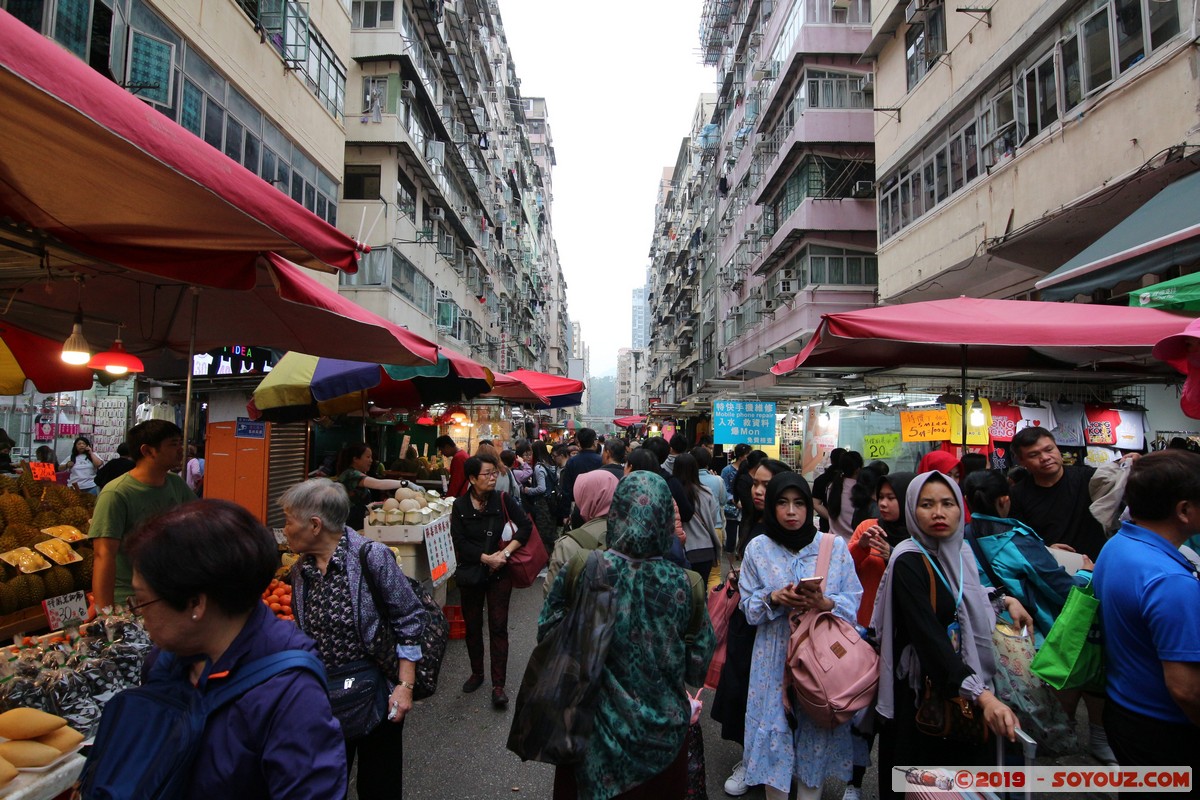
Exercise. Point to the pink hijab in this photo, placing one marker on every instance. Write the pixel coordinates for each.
(594, 492)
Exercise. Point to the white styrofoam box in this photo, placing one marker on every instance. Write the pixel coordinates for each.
(396, 534)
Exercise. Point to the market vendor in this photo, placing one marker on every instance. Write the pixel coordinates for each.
(82, 466)
(125, 502)
(353, 472)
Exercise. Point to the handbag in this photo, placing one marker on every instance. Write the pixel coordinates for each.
(721, 603)
(560, 691)
(950, 718)
(1035, 704)
(528, 560)
(358, 695)
(1072, 657)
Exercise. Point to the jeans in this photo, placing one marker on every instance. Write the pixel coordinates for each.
(496, 595)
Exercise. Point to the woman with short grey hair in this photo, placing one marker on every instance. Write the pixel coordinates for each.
(334, 586)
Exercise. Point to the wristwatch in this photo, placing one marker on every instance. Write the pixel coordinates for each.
(507, 555)
(406, 685)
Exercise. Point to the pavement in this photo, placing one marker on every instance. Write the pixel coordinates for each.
(454, 743)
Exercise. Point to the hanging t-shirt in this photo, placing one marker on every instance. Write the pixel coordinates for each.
(1097, 456)
(1005, 417)
(1131, 430)
(1036, 417)
(1069, 431)
(976, 434)
(1102, 423)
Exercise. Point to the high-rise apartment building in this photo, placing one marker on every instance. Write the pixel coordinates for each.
(1016, 135)
(640, 327)
(448, 167)
(768, 218)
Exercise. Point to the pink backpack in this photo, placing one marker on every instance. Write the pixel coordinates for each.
(831, 672)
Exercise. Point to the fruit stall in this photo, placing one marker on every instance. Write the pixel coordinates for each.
(416, 526)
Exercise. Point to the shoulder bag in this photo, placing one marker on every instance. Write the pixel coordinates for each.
(530, 558)
(948, 718)
(560, 691)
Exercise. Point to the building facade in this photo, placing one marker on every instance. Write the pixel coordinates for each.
(1011, 138)
(767, 218)
(448, 167)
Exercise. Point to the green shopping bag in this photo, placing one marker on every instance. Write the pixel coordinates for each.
(1072, 657)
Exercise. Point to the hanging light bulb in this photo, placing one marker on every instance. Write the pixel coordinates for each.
(76, 349)
(977, 419)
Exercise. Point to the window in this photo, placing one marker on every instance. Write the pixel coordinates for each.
(362, 182)
(1097, 51)
(150, 68)
(827, 89)
(375, 94)
(373, 13)
(925, 42)
(836, 266)
(406, 198)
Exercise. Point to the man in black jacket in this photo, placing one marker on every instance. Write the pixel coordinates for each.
(612, 457)
(586, 460)
(660, 448)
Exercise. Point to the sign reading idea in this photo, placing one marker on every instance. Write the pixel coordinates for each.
(749, 421)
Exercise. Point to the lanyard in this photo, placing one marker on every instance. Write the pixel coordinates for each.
(938, 570)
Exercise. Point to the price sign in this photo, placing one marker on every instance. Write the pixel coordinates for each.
(439, 549)
(925, 426)
(881, 445)
(42, 471)
(65, 609)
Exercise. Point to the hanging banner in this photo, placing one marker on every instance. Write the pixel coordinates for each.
(749, 421)
(925, 426)
(881, 445)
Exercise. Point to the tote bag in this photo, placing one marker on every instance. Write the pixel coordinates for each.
(1072, 656)
(528, 560)
(556, 706)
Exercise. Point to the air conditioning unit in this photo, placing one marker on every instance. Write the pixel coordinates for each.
(768, 304)
(867, 83)
(764, 71)
(408, 89)
(452, 47)
(437, 213)
(863, 189)
(488, 280)
(785, 286)
(443, 294)
(843, 5)
(464, 312)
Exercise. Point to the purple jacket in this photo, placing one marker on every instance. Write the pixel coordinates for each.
(279, 740)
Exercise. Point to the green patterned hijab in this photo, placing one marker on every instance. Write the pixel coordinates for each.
(642, 517)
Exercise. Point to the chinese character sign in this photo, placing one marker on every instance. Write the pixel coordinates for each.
(749, 421)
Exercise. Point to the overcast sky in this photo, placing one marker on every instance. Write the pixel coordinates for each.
(621, 81)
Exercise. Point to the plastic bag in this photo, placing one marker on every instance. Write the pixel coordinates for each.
(560, 691)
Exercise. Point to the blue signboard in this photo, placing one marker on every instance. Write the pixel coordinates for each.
(749, 421)
(249, 429)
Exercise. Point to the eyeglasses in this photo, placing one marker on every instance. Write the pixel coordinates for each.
(491, 474)
(136, 608)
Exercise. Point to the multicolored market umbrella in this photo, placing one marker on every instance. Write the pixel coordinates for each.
(303, 386)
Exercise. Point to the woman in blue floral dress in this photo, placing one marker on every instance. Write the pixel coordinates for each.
(774, 565)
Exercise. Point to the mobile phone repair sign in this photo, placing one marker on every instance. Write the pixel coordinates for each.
(749, 421)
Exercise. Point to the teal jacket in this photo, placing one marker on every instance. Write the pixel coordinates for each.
(1020, 560)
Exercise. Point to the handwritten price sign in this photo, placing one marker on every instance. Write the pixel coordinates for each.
(65, 609)
(881, 445)
(41, 471)
(925, 426)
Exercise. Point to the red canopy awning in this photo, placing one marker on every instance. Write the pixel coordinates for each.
(107, 174)
(626, 422)
(1007, 334)
(515, 391)
(287, 308)
(559, 392)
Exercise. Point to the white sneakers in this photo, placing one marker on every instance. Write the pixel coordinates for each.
(735, 784)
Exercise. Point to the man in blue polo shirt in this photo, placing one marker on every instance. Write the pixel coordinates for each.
(1150, 611)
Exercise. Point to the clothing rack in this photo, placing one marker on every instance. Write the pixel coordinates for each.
(1163, 438)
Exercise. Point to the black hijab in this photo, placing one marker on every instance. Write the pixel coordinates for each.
(792, 540)
(897, 531)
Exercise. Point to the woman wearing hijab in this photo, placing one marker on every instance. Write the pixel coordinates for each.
(871, 547)
(775, 566)
(638, 747)
(593, 495)
(949, 642)
(729, 701)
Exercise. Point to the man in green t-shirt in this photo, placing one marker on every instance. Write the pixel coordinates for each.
(125, 502)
